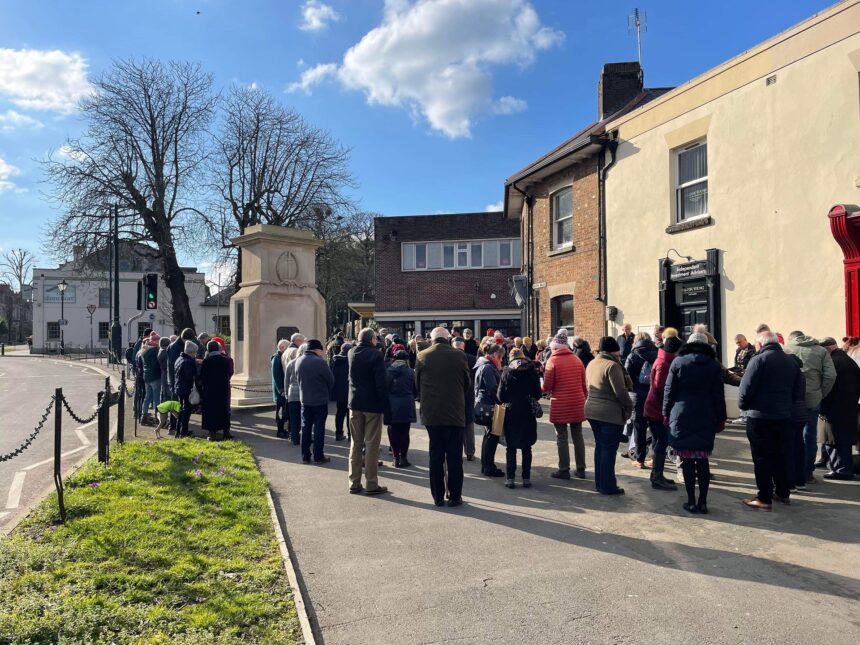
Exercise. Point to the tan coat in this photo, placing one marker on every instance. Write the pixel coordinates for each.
(442, 378)
(608, 384)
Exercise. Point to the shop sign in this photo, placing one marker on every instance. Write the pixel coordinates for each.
(697, 269)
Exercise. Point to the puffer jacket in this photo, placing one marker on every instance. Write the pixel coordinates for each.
(659, 374)
(185, 375)
(818, 369)
(608, 390)
(644, 351)
(564, 379)
(401, 393)
(151, 368)
(519, 384)
(694, 400)
(486, 381)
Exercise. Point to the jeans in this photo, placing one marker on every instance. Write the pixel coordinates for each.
(488, 451)
(564, 448)
(294, 409)
(366, 433)
(153, 395)
(280, 413)
(339, 418)
(511, 462)
(769, 440)
(469, 440)
(660, 435)
(810, 439)
(638, 448)
(446, 447)
(313, 429)
(607, 436)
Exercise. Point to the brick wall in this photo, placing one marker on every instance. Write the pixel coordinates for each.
(398, 290)
(579, 266)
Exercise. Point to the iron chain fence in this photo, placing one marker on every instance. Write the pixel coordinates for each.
(83, 421)
(32, 437)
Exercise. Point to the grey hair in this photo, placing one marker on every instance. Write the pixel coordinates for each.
(642, 335)
(795, 334)
(459, 344)
(303, 348)
(295, 338)
(468, 332)
(700, 328)
(366, 335)
(762, 327)
(283, 344)
(440, 332)
(767, 338)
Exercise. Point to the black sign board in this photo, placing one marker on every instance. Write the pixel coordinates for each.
(697, 269)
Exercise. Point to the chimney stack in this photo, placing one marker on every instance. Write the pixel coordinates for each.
(619, 84)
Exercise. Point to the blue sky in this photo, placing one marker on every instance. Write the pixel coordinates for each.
(439, 100)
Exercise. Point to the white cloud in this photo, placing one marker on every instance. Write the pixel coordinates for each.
(313, 76)
(7, 171)
(499, 205)
(69, 153)
(316, 16)
(43, 80)
(10, 119)
(430, 57)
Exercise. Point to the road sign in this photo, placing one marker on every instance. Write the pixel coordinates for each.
(152, 316)
(63, 322)
(539, 285)
(91, 309)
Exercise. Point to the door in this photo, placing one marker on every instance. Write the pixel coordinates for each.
(691, 316)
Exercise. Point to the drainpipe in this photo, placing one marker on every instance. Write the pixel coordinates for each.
(611, 145)
(530, 202)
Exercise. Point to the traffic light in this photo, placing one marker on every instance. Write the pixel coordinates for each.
(150, 291)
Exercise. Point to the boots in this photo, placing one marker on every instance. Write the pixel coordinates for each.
(657, 480)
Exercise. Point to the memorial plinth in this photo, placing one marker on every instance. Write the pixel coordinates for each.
(277, 297)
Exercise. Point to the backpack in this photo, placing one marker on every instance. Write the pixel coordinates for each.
(645, 374)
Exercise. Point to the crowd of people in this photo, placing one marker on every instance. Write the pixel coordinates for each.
(177, 375)
(793, 394)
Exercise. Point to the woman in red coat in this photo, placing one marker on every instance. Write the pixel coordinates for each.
(564, 379)
(654, 411)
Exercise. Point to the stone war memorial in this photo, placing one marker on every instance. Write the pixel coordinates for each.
(277, 297)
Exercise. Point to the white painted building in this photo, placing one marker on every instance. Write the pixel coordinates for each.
(90, 287)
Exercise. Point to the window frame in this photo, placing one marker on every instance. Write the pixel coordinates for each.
(106, 326)
(679, 187)
(510, 254)
(51, 325)
(555, 305)
(426, 256)
(461, 249)
(104, 291)
(555, 245)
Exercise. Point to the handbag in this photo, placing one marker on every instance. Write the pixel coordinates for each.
(194, 397)
(499, 412)
(537, 409)
(483, 414)
(825, 431)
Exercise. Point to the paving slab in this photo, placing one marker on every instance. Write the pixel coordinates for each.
(559, 563)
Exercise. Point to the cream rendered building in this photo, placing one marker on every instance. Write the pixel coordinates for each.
(738, 169)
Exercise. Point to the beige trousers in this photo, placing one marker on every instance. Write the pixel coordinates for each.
(366, 430)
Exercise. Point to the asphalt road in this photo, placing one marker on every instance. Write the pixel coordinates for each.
(559, 563)
(26, 386)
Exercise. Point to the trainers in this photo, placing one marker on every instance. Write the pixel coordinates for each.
(509, 483)
(560, 474)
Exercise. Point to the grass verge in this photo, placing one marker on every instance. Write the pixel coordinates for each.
(173, 543)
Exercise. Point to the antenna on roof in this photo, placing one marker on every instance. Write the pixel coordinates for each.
(637, 21)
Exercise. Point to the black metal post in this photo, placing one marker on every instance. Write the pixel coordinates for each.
(120, 411)
(58, 441)
(103, 423)
(116, 328)
(62, 320)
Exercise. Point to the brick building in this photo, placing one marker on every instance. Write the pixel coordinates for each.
(446, 270)
(557, 201)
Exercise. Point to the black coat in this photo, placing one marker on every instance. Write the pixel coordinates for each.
(401, 393)
(583, 353)
(184, 375)
(645, 351)
(472, 347)
(694, 399)
(174, 350)
(470, 395)
(368, 391)
(519, 385)
(215, 392)
(771, 384)
(626, 345)
(340, 370)
(840, 405)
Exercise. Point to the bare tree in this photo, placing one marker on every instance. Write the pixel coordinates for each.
(143, 150)
(15, 265)
(272, 167)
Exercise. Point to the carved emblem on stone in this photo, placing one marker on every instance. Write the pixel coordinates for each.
(287, 268)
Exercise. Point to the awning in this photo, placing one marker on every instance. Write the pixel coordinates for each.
(362, 309)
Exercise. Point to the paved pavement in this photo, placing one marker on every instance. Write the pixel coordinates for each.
(26, 386)
(558, 562)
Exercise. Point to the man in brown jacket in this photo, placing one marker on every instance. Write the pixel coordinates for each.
(442, 377)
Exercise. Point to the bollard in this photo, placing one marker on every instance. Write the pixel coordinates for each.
(120, 411)
(2, 349)
(58, 441)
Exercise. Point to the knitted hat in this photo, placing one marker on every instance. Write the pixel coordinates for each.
(516, 353)
(560, 340)
(153, 339)
(397, 347)
(562, 331)
(344, 349)
(190, 347)
(608, 344)
(672, 344)
(698, 337)
(313, 344)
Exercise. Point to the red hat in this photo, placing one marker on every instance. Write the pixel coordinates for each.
(221, 342)
(489, 332)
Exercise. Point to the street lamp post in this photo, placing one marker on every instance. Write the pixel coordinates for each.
(62, 289)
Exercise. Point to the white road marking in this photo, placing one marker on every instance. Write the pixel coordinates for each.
(4, 514)
(14, 497)
(51, 460)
